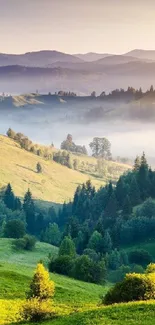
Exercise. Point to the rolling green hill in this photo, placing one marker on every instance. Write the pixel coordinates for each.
(56, 183)
(78, 302)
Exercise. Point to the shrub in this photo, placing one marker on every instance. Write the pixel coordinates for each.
(62, 265)
(35, 310)
(41, 287)
(119, 274)
(136, 268)
(27, 242)
(140, 256)
(30, 242)
(150, 268)
(133, 287)
(14, 229)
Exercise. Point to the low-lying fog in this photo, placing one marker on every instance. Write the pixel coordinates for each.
(127, 138)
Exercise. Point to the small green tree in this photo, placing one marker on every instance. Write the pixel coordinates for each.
(95, 241)
(67, 247)
(39, 168)
(14, 229)
(107, 242)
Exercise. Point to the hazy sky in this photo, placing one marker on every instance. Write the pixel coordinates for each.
(75, 26)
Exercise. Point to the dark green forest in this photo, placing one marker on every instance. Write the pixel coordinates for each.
(93, 230)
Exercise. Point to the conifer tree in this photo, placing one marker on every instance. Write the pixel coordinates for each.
(143, 180)
(137, 164)
(9, 198)
(39, 168)
(120, 191)
(29, 209)
(134, 192)
(107, 242)
(110, 212)
(41, 287)
(127, 207)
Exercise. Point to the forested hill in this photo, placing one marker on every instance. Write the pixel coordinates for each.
(56, 183)
(115, 215)
(118, 104)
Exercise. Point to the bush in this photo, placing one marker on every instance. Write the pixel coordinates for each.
(41, 287)
(133, 287)
(14, 229)
(35, 310)
(61, 265)
(30, 242)
(27, 242)
(119, 274)
(87, 270)
(140, 256)
(136, 268)
(150, 268)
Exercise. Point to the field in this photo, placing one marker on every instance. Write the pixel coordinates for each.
(56, 183)
(77, 303)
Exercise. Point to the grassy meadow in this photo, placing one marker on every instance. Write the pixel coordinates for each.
(75, 302)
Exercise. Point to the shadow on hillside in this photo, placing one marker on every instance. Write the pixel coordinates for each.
(32, 170)
(45, 205)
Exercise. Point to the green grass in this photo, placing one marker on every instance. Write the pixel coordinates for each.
(122, 314)
(81, 299)
(10, 255)
(56, 183)
(16, 270)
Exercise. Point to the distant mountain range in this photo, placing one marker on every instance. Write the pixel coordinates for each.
(81, 73)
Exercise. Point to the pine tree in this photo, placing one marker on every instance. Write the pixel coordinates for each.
(110, 212)
(134, 192)
(143, 179)
(41, 287)
(120, 191)
(39, 168)
(17, 204)
(127, 207)
(137, 164)
(9, 198)
(29, 209)
(107, 242)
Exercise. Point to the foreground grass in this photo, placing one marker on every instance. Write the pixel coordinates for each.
(76, 302)
(141, 313)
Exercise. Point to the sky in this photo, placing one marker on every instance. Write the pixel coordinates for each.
(76, 26)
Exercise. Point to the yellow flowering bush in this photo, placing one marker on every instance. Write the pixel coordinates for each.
(133, 287)
(36, 310)
(41, 287)
(10, 311)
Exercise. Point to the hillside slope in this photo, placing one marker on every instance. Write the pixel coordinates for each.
(79, 299)
(56, 184)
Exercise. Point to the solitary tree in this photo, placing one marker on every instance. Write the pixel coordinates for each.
(101, 148)
(41, 287)
(39, 168)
